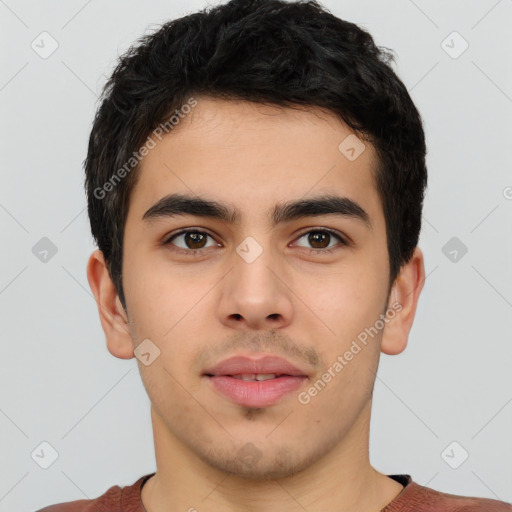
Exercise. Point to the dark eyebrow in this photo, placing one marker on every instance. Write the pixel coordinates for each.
(182, 204)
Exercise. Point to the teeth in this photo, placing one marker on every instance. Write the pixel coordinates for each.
(265, 376)
(255, 376)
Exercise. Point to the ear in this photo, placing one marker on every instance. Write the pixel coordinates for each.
(114, 319)
(403, 300)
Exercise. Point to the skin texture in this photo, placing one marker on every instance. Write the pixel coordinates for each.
(306, 307)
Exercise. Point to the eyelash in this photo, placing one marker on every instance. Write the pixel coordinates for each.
(331, 232)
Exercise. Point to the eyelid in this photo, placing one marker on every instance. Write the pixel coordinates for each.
(167, 239)
(344, 241)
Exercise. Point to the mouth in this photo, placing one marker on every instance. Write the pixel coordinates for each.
(251, 377)
(255, 390)
(265, 367)
(255, 383)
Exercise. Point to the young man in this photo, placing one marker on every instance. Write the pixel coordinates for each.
(255, 180)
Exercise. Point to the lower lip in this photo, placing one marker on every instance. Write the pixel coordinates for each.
(255, 393)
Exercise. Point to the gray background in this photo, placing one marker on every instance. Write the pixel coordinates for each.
(61, 385)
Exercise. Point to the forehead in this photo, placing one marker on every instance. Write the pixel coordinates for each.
(253, 156)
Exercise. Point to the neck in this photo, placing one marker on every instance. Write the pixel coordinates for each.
(341, 481)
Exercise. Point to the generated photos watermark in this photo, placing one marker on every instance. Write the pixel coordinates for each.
(304, 397)
(158, 133)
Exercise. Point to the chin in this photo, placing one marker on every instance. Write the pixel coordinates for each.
(250, 463)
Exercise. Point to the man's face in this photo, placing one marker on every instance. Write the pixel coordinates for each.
(251, 288)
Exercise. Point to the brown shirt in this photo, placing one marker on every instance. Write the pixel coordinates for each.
(413, 498)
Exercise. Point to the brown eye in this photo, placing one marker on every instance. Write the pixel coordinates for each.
(192, 240)
(321, 239)
(196, 239)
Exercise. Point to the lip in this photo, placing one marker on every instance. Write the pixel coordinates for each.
(237, 365)
(255, 393)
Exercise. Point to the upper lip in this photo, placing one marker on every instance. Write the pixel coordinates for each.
(244, 365)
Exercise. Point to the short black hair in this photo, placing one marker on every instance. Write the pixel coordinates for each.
(273, 52)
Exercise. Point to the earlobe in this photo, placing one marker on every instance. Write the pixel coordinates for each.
(113, 317)
(403, 301)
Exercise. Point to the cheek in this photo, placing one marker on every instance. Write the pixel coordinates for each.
(170, 311)
(349, 300)
(352, 305)
(159, 294)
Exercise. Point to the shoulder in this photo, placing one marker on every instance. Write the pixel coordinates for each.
(417, 497)
(116, 499)
(107, 502)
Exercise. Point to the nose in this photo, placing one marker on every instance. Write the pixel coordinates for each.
(255, 294)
